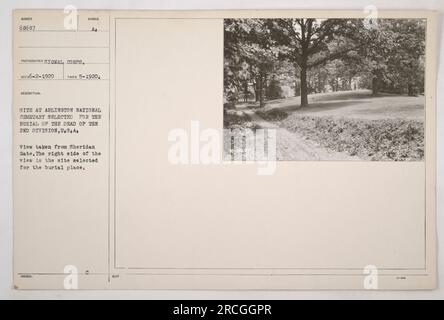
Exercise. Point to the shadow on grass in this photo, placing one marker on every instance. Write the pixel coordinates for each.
(323, 106)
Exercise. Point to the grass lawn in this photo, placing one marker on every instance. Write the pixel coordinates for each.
(383, 127)
(360, 104)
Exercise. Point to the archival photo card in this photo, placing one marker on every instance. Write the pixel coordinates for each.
(224, 150)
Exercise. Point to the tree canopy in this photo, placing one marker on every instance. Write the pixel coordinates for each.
(272, 58)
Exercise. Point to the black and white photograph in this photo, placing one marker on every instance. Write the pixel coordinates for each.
(332, 89)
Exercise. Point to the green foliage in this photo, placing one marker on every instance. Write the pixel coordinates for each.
(238, 120)
(249, 57)
(393, 59)
(262, 56)
(389, 139)
(273, 115)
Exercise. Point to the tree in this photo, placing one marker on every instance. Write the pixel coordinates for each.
(392, 55)
(306, 43)
(317, 55)
(249, 57)
(407, 60)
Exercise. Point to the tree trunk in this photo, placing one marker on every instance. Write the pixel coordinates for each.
(297, 88)
(375, 85)
(261, 91)
(265, 87)
(256, 89)
(246, 91)
(304, 93)
(410, 90)
(297, 83)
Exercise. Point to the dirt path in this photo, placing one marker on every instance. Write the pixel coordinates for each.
(293, 146)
